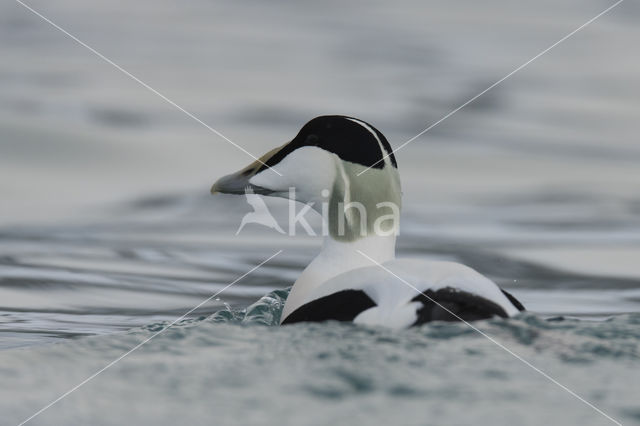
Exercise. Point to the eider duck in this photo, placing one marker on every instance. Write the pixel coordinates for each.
(346, 167)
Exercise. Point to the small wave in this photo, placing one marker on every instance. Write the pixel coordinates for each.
(266, 311)
(570, 340)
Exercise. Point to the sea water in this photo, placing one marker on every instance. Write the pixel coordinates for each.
(84, 296)
(239, 367)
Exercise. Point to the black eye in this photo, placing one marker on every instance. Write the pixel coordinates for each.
(312, 139)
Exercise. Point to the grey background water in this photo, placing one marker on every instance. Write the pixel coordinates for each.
(107, 225)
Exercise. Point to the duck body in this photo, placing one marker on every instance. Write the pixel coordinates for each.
(407, 292)
(345, 169)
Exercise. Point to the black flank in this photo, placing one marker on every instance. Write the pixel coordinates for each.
(344, 305)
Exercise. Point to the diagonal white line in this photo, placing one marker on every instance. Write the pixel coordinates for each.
(142, 83)
(494, 84)
(496, 342)
(136, 347)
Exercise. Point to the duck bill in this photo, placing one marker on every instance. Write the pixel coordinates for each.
(235, 183)
(238, 183)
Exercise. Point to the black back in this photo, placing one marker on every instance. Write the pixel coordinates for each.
(338, 134)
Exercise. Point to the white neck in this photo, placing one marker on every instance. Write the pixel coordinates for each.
(335, 258)
(369, 231)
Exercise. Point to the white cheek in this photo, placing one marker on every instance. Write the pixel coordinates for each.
(309, 170)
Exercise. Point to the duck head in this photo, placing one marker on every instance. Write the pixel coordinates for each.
(339, 162)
